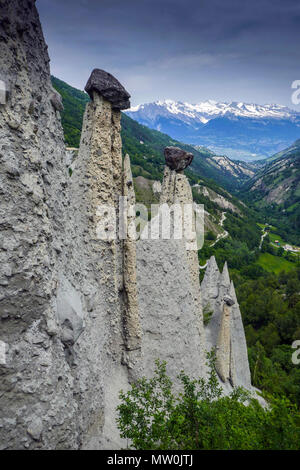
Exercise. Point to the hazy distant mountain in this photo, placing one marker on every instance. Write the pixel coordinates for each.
(240, 130)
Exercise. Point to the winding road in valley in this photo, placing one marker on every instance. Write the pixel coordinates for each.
(224, 234)
(264, 234)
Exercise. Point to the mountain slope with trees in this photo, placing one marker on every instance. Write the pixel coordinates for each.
(275, 192)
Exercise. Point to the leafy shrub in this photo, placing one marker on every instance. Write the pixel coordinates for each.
(152, 417)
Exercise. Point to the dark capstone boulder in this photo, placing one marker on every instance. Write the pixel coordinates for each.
(177, 159)
(109, 87)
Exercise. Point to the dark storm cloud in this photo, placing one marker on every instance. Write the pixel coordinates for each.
(182, 49)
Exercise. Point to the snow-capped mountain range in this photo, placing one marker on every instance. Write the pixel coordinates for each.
(207, 110)
(240, 130)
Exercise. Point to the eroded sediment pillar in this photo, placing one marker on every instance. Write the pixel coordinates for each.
(177, 190)
(223, 352)
(132, 329)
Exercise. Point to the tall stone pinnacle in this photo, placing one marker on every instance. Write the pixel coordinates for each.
(132, 328)
(223, 352)
(109, 88)
(225, 279)
(210, 282)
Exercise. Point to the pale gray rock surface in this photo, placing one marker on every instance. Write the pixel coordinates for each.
(169, 314)
(37, 385)
(217, 290)
(60, 286)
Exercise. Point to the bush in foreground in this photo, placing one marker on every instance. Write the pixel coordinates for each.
(152, 416)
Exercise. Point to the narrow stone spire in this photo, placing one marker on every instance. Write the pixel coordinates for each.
(239, 370)
(223, 353)
(232, 292)
(212, 266)
(176, 189)
(225, 279)
(210, 282)
(132, 328)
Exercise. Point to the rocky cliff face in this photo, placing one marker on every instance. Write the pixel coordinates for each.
(62, 287)
(83, 312)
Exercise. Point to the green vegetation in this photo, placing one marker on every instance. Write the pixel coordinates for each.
(152, 417)
(74, 105)
(275, 236)
(274, 264)
(277, 191)
(207, 314)
(240, 249)
(270, 306)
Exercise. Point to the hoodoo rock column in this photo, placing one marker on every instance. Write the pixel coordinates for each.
(105, 261)
(176, 189)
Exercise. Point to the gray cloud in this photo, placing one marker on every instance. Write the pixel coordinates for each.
(188, 50)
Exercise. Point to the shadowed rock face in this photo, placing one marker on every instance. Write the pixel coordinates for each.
(108, 87)
(177, 159)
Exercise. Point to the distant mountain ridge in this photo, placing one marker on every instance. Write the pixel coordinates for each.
(210, 109)
(240, 130)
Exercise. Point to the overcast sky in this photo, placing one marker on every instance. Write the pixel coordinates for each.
(186, 50)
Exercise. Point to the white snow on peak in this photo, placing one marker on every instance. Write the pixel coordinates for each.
(135, 108)
(210, 109)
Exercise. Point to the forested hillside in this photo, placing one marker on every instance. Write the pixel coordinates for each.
(74, 105)
(275, 192)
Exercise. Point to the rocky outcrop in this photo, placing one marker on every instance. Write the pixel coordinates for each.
(37, 387)
(169, 290)
(63, 289)
(224, 330)
(223, 350)
(218, 199)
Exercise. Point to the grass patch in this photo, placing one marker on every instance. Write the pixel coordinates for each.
(275, 236)
(274, 264)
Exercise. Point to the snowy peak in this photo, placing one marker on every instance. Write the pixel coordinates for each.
(242, 131)
(210, 109)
